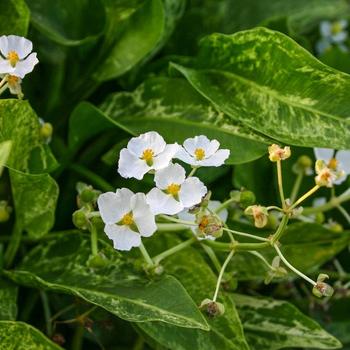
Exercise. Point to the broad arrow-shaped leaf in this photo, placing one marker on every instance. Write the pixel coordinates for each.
(271, 84)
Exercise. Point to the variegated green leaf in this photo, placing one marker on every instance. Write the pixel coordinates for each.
(5, 149)
(22, 336)
(174, 109)
(61, 266)
(271, 84)
(272, 324)
(8, 300)
(14, 17)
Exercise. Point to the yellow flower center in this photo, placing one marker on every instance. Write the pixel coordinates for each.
(333, 164)
(12, 56)
(199, 153)
(336, 28)
(12, 80)
(173, 189)
(204, 223)
(148, 155)
(127, 219)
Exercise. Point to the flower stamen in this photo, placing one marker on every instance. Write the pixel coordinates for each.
(13, 57)
(333, 164)
(199, 153)
(127, 219)
(173, 189)
(148, 155)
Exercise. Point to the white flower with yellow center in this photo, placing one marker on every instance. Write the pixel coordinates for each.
(16, 56)
(127, 217)
(212, 206)
(144, 153)
(14, 84)
(336, 162)
(332, 33)
(200, 151)
(174, 192)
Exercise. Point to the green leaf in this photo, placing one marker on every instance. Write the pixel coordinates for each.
(174, 109)
(199, 280)
(61, 266)
(14, 17)
(272, 324)
(8, 300)
(306, 246)
(20, 125)
(22, 336)
(141, 36)
(70, 23)
(35, 198)
(268, 82)
(5, 149)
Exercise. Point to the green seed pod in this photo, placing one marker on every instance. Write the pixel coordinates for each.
(46, 131)
(320, 218)
(97, 261)
(80, 219)
(247, 198)
(212, 308)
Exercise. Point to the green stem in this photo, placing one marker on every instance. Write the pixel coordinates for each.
(158, 258)
(280, 230)
(245, 234)
(262, 258)
(77, 341)
(95, 179)
(280, 183)
(291, 267)
(304, 196)
(170, 218)
(145, 255)
(94, 240)
(218, 283)
(344, 212)
(170, 227)
(333, 203)
(212, 257)
(224, 205)
(3, 80)
(274, 207)
(194, 169)
(296, 186)
(47, 312)
(13, 245)
(227, 247)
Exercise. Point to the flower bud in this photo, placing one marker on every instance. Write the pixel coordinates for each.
(303, 165)
(86, 194)
(277, 153)
(97, 261)
(46, 131)
(5, 211)
(247, 198)
(322, 289)
(212, 308)
(81, 219)
(209, 225)
(259, 213)
(320, 218)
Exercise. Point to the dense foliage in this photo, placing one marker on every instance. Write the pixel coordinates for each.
(238, 264)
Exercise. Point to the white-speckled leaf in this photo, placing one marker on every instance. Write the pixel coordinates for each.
(22, 336)
(177, 111)
(5, 149)
(271, 84)
(273, 324)
(61, 266)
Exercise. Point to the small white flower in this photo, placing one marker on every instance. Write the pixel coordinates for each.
(335, 161)
(332, 33)
(127, 217)
(144, 153)
(212, 206)
(16, 56)
(174, 192)
(14, 84)
(200, 151)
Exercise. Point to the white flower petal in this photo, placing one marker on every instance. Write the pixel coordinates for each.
(186, 216)
(183, 155)
(142, 215)
(340, 37)
(172, 174)
(162, 203)
(211, 148)
(26, 66)
(3, 45)
(123, 238)
(192, 144)
(326, 28)
(340, 180)
(216, 159)
(5, 67)
(164, 158)
(322, 46)
(124, 196)
(213, 205)
(192, 192)
(325, 154)
(108, 205)
(22, 46)
(131, 166)
(343, 157)
(317, 202)
(150, 140)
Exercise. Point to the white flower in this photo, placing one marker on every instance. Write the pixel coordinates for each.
(127, 217)
(212, 206)
(174, 192)
(144, 153)
(200, 151)
(336, 161)
(15, 55)
(332, 33)
(14, 84)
